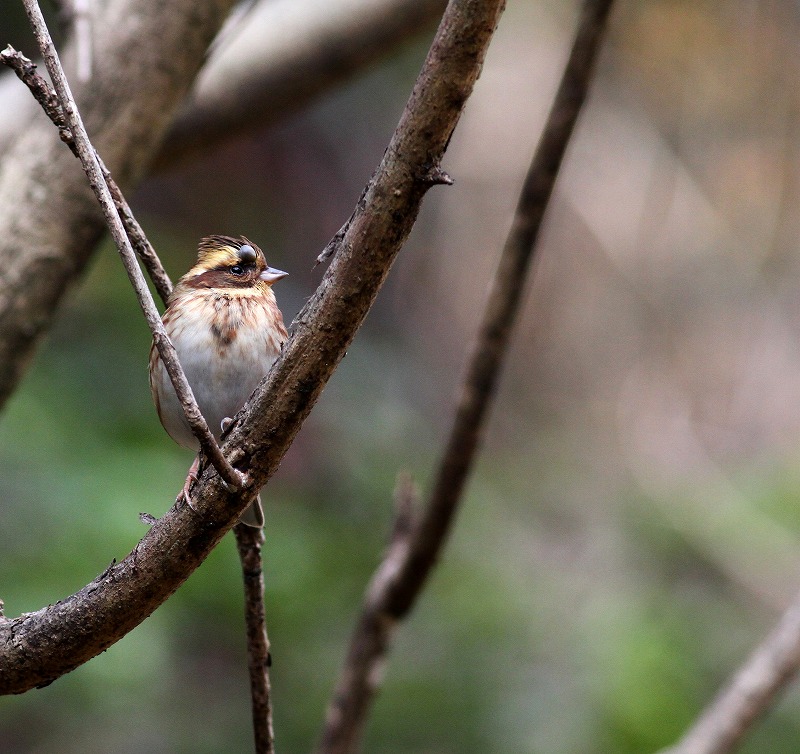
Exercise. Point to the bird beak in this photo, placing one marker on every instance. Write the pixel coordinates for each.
(271, 275)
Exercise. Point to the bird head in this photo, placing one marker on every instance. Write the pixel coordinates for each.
(227, 262)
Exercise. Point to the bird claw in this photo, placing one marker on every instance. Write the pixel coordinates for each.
(191, 478)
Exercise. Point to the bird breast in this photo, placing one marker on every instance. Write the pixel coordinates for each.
(226, 343)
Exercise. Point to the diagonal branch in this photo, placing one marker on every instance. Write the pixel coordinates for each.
(750, 692)
(402, 574)
(91, 165)
(37, 648)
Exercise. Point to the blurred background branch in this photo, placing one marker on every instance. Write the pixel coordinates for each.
(771, 667)
(420, 536)
(283, 55)
(267, 63)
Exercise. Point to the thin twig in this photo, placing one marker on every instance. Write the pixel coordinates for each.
(91, 166)
(249, 541)
(750, 692)
(403, 572)
(140, 242)
(46, 96)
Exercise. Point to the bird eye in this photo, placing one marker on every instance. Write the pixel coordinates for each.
(237, 269)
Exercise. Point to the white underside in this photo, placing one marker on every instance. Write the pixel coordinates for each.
(222, 379)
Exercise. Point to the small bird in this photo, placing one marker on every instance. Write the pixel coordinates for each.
(225, 324)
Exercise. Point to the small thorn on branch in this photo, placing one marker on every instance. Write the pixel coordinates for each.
(435, 176)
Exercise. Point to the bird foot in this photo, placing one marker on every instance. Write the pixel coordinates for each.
(191, 478)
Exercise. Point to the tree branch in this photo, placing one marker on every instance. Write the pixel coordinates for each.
(751, 691)
(249, 541)
(37, 648)
(415, 548)
(91, 165)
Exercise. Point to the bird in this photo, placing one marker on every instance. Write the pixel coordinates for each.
(227, 329)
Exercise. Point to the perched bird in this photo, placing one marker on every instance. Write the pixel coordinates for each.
(225, 325)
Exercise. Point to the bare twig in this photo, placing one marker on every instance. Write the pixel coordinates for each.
(755, 686)
(45, 95)
(91, 165)
(140, 242)
(249, 541)
(403, 572)
(42, 92)
(39, 647)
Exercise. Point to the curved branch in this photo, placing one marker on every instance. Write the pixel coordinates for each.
(416, 545)
(37, 648)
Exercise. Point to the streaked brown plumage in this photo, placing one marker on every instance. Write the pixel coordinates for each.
(225, 324)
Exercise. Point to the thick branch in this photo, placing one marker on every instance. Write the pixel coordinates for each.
(409, 560)
(91, 165)
(39, 647)
(754, 688)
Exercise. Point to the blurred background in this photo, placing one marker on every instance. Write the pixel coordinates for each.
(632, 528)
